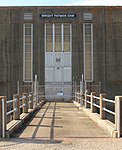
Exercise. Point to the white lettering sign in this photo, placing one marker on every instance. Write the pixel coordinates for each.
(57, 15)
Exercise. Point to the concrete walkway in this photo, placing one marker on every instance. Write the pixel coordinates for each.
(58, 120)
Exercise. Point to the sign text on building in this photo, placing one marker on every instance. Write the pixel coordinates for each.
(57, 15)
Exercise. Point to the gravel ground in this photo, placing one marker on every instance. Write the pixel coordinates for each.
(63, 144)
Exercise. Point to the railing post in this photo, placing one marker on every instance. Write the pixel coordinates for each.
(102, 105)
(78, 97)
(85, 99)
(93, 109)
(16, 104)
(31, 100)
(75, 96)
(118, 114)
(3, 109)
(25, 101)
(81, 99)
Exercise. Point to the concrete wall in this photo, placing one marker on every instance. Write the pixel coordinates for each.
(107, 38)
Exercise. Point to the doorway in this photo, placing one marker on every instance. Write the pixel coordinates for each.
(58, 63)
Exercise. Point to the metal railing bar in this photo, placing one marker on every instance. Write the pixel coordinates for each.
(84, 100)
(10, 101)
(88, 95)
(14, 110)
(88, 102)
(22, 97)
(96, 97)
(29, 96)
(108, 100)
(96, 105)
(23, 105)
(109, 111)
(29, 102)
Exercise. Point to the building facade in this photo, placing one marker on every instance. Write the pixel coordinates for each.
(61, 45)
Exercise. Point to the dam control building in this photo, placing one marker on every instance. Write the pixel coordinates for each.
(62, 46)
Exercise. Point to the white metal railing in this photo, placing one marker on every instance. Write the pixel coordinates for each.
(14, 109)
(88, 95)
(96, 105)
(24, 102)
(90, 102)
(23, 105)
(96, 97)
(109, 111)
(108, 100)
(11, 111)
(10, 101)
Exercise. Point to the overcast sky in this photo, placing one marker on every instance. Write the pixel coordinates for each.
(60, 2)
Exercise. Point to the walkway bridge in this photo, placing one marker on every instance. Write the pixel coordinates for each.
(85, 116)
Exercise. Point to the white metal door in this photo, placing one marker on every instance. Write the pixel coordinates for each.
(58, 67)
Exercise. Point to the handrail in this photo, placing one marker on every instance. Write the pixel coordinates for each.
(23, 97)
(88, 95)
(83, 99)
(109, 111)
(29, 102)
(92, 102)
(19, 104)
(14, 100)
(96, 97)
(88, 102)
(23, 105)
(96, 105)
(10, 101)
(29, 96)
(108, 100)
(11, 111)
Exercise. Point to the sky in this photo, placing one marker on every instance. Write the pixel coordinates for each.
(60, 2)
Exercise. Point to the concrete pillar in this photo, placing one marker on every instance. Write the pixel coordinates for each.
(25, 101)
(16, 104)
(3, 120)
(93, 108)
(31, 100)
(102, 105)
(118, 114)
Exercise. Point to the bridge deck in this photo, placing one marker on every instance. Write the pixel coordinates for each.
(57, 120)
